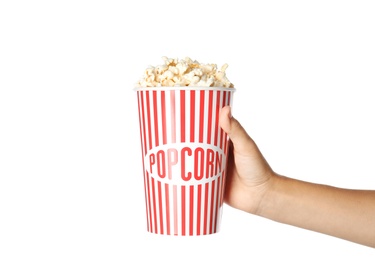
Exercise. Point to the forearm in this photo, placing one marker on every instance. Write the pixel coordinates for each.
(344, 213)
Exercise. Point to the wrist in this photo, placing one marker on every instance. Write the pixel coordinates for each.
(268, 195)
(256, 197)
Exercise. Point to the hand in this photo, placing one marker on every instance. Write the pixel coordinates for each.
(252, 186)
(248, 173)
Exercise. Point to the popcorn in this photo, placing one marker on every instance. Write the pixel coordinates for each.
(184, 72)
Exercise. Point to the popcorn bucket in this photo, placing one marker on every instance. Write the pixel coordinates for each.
(184, 154)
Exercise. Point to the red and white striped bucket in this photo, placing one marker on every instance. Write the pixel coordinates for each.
(184, 153)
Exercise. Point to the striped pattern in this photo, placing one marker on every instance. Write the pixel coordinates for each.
(182, 117)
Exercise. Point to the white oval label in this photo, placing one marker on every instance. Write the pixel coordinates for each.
(184, 163)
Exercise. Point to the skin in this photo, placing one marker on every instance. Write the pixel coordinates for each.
(252, 186)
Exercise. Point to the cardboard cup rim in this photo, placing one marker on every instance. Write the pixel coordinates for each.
(166, 88)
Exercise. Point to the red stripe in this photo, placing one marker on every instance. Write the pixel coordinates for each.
(145, 188)
(149, 119)
(160, 208)
(217, 115)
(140, 119)
(182, 115)
(175, 213)
(221, 130)
(173, 116)
(191, 216)
(154, 203)
(156, 130)
(143, 124)
(167, 211)
(183, 211)
(223, 178)
(205, 209)
(201, 116)
(163, 115)
(212, 215)
(225, 135)
(149, 201)
(219, 201)
(209, 119)
(146, 202)
(199, 209)
(192, 115)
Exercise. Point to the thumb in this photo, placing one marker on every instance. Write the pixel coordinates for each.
(242, 142)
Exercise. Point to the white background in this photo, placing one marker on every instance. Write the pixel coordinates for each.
(71, 182)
